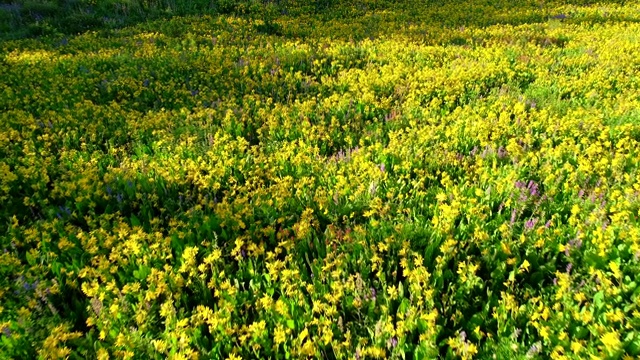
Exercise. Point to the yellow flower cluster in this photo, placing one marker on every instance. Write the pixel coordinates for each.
(416, 180)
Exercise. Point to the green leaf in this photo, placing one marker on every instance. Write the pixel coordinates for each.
(598, 299)
(634, 348)
(422, 325)
(291, 324)
(404, 306)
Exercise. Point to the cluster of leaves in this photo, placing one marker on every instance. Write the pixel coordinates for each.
(394, 186)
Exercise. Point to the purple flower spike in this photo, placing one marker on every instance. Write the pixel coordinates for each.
(533, 188)
(530, 224)
(534, 349)
(502, 152)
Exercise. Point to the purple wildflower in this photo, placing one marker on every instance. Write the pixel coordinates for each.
(547, 224)
(394, 341)
(513, 216)
(530, 223)
(502, 152)
(382, 167)
(569, 267)
(373, 294)
(534, 349)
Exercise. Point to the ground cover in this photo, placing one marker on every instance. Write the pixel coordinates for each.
(374, 180)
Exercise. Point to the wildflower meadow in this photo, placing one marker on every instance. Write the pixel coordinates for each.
(368, 179)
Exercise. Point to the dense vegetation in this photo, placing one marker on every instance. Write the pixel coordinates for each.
(454, 179)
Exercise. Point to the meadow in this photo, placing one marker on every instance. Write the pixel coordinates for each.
(338, 180)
